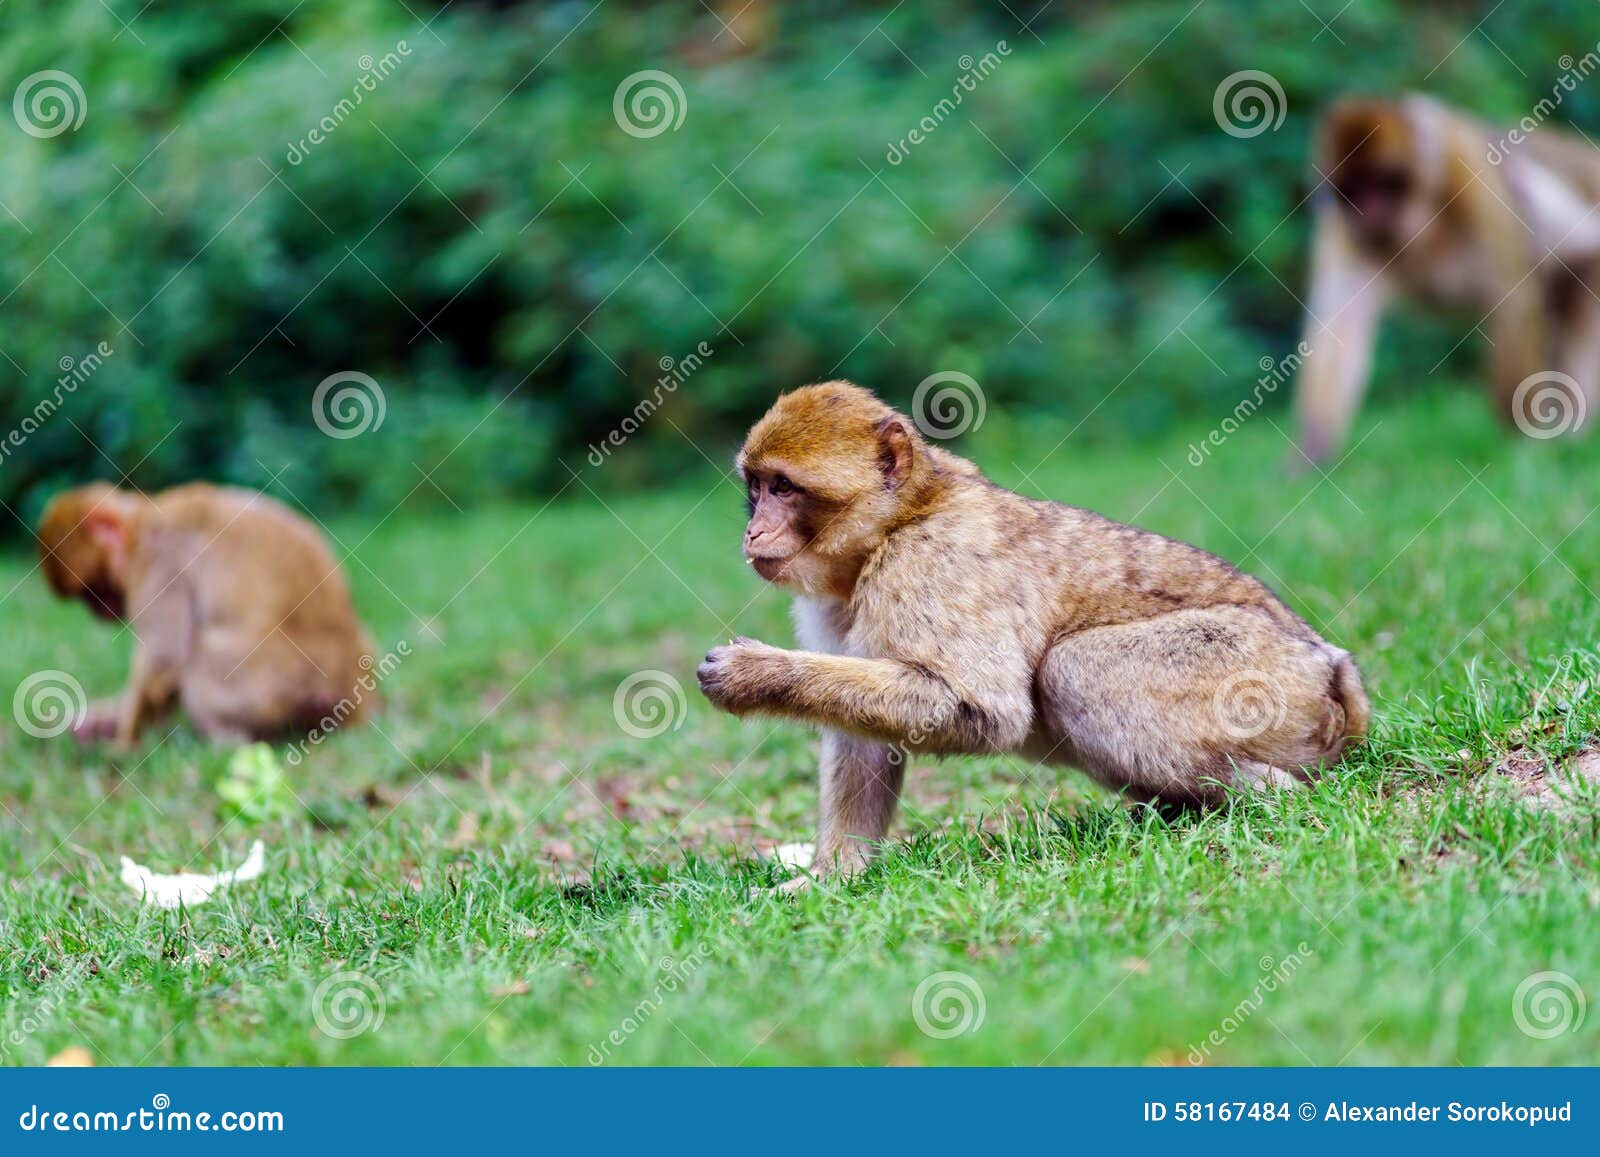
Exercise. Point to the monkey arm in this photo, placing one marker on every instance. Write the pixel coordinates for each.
(162, 620)
(1348, 294)
(885, 699)
(152, 688)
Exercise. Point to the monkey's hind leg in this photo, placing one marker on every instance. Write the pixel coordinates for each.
(1181, 707)
(231, 712)
(1548, 406)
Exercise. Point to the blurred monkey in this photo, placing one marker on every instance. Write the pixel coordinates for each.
(1421, 200)
(241, 612)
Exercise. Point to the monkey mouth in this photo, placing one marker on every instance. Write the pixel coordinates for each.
(769, 567)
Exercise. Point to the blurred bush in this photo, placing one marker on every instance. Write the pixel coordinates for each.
(479, 235)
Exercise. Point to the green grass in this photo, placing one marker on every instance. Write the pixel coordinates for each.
(509, 868)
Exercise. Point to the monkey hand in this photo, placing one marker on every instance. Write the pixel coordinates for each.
(99, 722)
(740, 676)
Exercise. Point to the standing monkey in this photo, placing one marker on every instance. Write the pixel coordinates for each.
(943, 614)
(241, 613)
(1419, 199)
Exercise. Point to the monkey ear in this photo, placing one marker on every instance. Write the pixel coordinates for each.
(894, 450)
(105, 528)
(108, 530)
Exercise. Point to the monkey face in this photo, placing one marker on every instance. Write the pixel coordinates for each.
(827, 471)
(1369, 153)
(1376, 200)
(80, 536)
(780, 522)
(106, 601)
(81, 574)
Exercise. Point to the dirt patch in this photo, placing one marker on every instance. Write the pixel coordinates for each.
(1542, 786)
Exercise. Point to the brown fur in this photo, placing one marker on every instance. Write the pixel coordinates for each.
(942, 613)
(1422, 200)
(241, 612)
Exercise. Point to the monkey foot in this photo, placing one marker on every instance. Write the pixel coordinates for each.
(798, 884)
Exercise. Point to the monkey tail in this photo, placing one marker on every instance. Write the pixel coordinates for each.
(1347, 689)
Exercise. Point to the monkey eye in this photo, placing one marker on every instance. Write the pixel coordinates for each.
(782, 486)
(1393, 183)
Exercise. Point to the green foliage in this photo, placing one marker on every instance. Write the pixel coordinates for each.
(255, 789)
(480, 236)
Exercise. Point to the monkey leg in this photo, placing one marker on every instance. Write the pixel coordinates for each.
(860, 786)
(232, 711)
(1576, 330)
(1530, 359)
(1180, 707)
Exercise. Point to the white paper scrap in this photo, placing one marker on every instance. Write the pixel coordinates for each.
(794, 855)
(189, 888)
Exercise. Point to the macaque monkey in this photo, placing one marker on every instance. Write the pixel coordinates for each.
(941, 613)
(241, 614)
(1419, 199)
